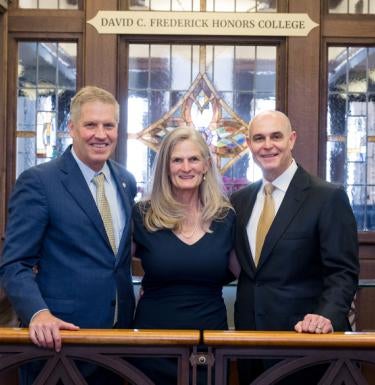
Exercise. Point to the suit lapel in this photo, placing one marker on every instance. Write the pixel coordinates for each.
(291, 204)
(247, 202)
(122, 188)
(75, 183)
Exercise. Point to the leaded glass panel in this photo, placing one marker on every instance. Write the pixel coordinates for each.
(371, 70)
(46, 82)
(358, 6)
(371, 115)
(245, 5)
(357, 197)
(357, 81)
(198, 86)
(336, 161)
(351, 128)
(182, 5)
(208, 5)
(370, 211)
(336, 118)
(224, 5)
(351, 6)
(48, 4)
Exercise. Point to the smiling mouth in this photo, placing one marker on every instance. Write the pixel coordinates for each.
(99, 145)
(267, 156)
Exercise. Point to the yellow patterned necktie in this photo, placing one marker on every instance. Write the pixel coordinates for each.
(265, 220)
(104, 210)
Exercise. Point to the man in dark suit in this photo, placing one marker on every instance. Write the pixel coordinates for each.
(62, 268)
(305, 274)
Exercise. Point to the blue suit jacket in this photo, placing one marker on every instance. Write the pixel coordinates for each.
(54, 224)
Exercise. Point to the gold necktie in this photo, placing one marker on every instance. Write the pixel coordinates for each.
(104, 210)
(265, 220)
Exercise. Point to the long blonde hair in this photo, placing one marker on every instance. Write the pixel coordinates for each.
(161, 210)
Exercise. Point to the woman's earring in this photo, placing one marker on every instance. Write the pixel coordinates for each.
(204, 176)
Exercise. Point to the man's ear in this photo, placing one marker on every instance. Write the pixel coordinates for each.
(292, 139)
(70, 126)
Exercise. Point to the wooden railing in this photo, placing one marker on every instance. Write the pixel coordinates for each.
(106, 348)
(348, 356)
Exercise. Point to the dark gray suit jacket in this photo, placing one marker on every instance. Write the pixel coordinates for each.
(309, 262)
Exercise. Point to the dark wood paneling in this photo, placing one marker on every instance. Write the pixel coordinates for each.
(365, 310)
(46, 21)
(100, 66)
(3, 6)
(349, 26)
(350, 30)
(3, 65)
(11, 116)
(303, 86)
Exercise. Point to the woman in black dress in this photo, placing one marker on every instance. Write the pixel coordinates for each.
(184, 238)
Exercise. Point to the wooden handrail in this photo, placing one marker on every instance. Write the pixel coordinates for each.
(192, 337)
(110, 337)
(288, 339)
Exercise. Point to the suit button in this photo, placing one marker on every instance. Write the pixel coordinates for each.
(113, 302)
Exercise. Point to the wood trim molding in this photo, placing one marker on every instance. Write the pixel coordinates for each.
(303, 63)
(4, 6)
(366, 238)
(288, 339)
(110, 337)
(3, 121)
(100, 66)
(349, 26)
(46, 21)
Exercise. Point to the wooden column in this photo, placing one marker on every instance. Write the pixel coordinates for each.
(3, 66)
(303, 86)
(100, 52)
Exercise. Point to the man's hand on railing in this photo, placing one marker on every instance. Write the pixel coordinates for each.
(44, 330)
(314, 323)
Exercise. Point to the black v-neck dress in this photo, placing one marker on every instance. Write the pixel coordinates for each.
(182, 284)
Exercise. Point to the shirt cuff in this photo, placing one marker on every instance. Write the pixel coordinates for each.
(36, 313)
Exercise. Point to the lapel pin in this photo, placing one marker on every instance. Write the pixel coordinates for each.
(123, 184)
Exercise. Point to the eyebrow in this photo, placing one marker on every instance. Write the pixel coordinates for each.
(272, 133)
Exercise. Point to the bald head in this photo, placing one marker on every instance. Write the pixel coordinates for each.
(270, 115)
(271, 140)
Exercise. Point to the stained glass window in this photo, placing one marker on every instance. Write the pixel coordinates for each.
(47, 74)
(351, 128)
(215, 89)
(351, 6)
(208, 5)
(49, 4)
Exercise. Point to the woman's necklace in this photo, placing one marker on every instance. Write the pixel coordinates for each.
(190, 235)
(196, 225)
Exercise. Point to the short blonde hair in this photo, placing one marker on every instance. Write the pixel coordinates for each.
(91, 94)
(161, 209)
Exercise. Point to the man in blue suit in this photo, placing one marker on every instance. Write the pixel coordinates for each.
(59, 268)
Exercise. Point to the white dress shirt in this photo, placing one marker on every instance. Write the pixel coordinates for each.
(281, 184)
(111, 192)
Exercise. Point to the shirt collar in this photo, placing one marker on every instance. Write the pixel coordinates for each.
(282, 182)
(88, 172)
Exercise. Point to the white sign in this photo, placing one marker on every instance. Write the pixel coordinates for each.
(202, 23)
